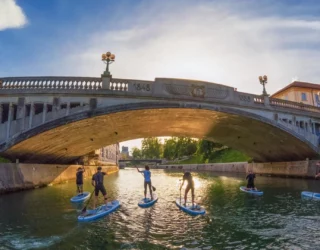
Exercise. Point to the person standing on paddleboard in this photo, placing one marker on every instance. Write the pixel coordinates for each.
(188, 177)
(250, 177)
(97, 182)
(147, 181)
(79, 179)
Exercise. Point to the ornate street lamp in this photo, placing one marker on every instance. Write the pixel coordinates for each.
(263, 81)
(108, 58)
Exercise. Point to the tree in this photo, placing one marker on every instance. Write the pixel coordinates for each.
(136, 153)
(176, 147)
(169, 148)
(151, 148)
(206, 149)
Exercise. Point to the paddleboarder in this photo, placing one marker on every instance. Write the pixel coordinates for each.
(79, 179)
(250, 177)
(97, 182)
(188, 177)
(147, 181)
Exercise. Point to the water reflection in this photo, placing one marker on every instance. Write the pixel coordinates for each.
(279, 219)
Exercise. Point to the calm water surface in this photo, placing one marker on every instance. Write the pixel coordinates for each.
(280, 219)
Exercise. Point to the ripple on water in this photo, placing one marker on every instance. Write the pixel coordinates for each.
(279, 219)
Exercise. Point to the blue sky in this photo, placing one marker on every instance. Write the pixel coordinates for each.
(229, 42)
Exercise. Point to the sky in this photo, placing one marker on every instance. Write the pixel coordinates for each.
(230, 42)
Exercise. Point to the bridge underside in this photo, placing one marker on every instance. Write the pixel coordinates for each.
(66, 143)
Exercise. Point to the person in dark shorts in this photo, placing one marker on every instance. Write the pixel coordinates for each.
(188, 177)
(147, 181)
(250, 177)
(79, 180)
(97, 182)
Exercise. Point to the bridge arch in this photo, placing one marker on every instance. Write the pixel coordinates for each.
(66, 139)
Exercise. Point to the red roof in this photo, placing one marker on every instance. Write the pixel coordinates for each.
(300, 85)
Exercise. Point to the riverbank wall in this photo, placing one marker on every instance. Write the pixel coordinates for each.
(19, 176)
(302, 169)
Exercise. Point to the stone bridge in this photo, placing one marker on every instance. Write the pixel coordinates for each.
(59, 119)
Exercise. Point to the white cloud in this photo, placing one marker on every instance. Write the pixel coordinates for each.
(11, 15)
(210, 42)
(204, 42)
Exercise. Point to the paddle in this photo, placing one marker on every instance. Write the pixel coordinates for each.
(85, 207)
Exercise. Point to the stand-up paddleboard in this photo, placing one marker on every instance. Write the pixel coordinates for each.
(147, 202)
(80, 197)
(306, 194)
(193, 210)
(255, 192)
(91, 215)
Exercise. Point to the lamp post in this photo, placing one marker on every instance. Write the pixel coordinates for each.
(263, 81)
(108, 58)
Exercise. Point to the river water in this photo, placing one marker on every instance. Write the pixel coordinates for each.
(280, 219)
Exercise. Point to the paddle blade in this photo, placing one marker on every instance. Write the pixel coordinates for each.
(153, 188)
(84, 210)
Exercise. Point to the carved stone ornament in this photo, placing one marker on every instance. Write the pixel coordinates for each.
(197, 91)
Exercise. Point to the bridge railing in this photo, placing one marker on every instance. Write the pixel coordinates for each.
(296, 105)
(172, 88)
(67, 83)
(130, 85)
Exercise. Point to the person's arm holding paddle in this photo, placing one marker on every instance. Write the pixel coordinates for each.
(139, 170)
(181, 184)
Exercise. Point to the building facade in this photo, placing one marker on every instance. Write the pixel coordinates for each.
(304, 92)
(108, 155)
(125, 153)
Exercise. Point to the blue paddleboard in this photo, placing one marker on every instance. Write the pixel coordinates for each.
(147, 202)
(99, 212)
(192, 210)
(80, 197)
(255, 192)
(306, 194)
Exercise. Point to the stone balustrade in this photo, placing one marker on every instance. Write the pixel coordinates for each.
(66, 83)
(186, 89)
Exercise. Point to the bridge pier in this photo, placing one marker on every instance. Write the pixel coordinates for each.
(31, 115)
(44, 112)
(9, 120)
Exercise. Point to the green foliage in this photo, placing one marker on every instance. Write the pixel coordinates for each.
(176, 147)
(201, 151)
(218, 156)
(151, 148)
(136, 153)
(4, 160)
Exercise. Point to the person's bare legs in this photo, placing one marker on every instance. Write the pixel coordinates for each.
(192, 193)
(95, 201)
(145, 190)
(105, 200)
(186, 194)
(150, 190)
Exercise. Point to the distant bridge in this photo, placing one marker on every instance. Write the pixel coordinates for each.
(144, 160)
(59, 119)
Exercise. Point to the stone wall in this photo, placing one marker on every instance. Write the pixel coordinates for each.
(18, 176)
(304, 169)
(292, 169)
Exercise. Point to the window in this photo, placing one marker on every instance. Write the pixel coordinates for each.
(303, 96)
(286, 98)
